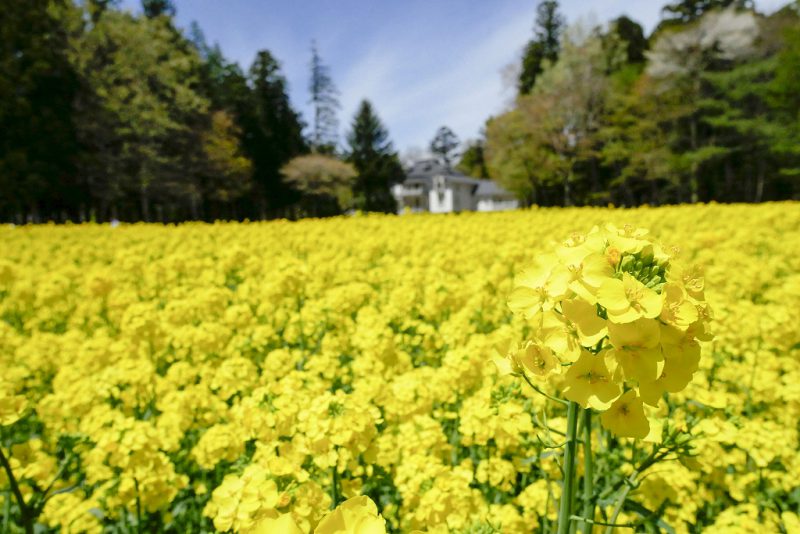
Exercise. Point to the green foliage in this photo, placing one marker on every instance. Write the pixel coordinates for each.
(689, 10)
(37, 87)
(544, 47)
(142, 108)
(273, 132)
(371, 154)
(318, 175)
(473, 161)
(444, 144)
(230, 169)
(784, 97)
(559, 117)
(156, 8)
(707, 110)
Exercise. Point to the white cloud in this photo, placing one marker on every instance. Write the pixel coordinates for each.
(415, 91)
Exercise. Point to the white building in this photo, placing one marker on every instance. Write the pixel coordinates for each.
(434, 187)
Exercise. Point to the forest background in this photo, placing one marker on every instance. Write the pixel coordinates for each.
(107, 114)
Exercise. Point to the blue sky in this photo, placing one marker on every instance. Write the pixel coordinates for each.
(422, 63)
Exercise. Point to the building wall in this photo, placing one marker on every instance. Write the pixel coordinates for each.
(441, 203)
(497, 204)
(405, 201)
(455, 197)
(463, 200)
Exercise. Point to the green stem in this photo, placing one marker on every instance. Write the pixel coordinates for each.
(138, 508)
(539, 391)
(7, 512)
(335, 484)
(602, 523)
(588, 473)
(565, 509)
(24, 511)
(618, 508)
(39, 506)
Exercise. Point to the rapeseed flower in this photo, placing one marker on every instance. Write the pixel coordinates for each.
(605, 324)
(241, 365)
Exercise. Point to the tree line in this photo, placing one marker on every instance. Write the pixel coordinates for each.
(106, 114)
(705, 108)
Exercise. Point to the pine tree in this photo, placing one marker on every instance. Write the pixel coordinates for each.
(689, 10)
(375, 161)
(785, 101)
(543, 47)
(473, 160)
(325, 100)
(444, 144)
(37, 136)
(273, 133)
(632, 36)
(155, 8)
(144, 141)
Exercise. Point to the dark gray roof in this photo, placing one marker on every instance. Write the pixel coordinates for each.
(424, 171)
(489, 188)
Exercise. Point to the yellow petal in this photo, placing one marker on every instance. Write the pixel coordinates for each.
(501, 359)
(644, 365)
(534, 276)
(591, 328)
(558, 284)
(357, 514)
(283, 524)
(525, 301)
(596, 270)
(332, 523)
(583, 291)
(625, 418)
(611, 296)
(589, 383)
(503, 364)
(622, 317)
(651, 392)
(650, 303)
(656, 431)
(642, 333)
(538, 359)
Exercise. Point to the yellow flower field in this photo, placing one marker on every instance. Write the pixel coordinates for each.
(246, 377)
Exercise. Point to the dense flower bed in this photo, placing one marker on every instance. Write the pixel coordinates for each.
(222, 376)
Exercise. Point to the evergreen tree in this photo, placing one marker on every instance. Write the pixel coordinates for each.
(472, 161)
(37, 136)
(230, 171)
(680, 61)
(143, 118)
(273, 134)
(371, 154)
(543, 47)
(96, 8)
(689, 10)
(784, 99)
(222, 81)
(444, 144)
(155, 8)
(632, 36)
(325, 100)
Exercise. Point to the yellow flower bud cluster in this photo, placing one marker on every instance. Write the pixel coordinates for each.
(616, 322)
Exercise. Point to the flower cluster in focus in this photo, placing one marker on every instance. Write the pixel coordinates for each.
(616, 322)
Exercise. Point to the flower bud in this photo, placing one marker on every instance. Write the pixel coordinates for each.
(626, 263)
